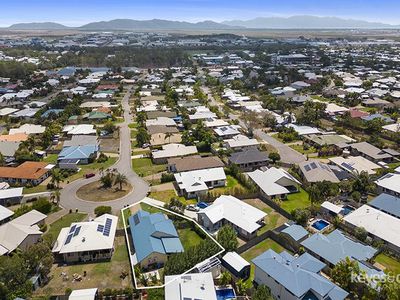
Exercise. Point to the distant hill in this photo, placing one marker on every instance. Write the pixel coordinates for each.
(38, 26)
(307, 22)
(155, 24)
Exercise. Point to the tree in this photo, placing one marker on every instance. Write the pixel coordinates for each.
(274, 156)
(262, 293)
(107, 179)
(168, 136)
(226, 278)
(101, 210)
(361, 234)
(142, 136)
(241, 287)
(344, 273)
(121, 180)
(109, 127)
(301, 216)
(362, 183)
(56, 196)
(42, 205)
(56, 177)
(227, 237)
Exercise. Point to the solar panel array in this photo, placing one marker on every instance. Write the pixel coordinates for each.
(107, 227)
(74, 231)
(347, 166)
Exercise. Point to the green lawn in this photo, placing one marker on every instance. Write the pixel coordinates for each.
(127, 213)
(35, 189)
(259, 249)
(144, 167)
(299, 148)
(91, 168)
(166, 195)
(394, 165)
(189, 238)
(51, 158)
(391, 264)
(296, 200)
(231, 185)
(65, 221)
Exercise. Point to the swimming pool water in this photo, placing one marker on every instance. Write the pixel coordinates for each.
(320, 224)
(225, 294)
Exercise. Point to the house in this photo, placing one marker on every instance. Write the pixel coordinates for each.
(96, 116)
(387, 203)
(81, 129)
(172, 150)
(294, 232)
(227, 132)
(389, 183)
(161, 121)
(8, 149)
(314, 171)
(81, 140)
(241, 142)
(319, 140)
(249, 160)
(370, 152)
(193, 162)
(190, 286)
(11, 196)
(154, 237)
(202, 113)
(244, 218)
(29, 172)
(87, 241)
(336, 246)
(236, 265)
(84, 154)
(5, 214)
(21, 232)
(355, 164)
(193, 184)
(274, 182)
(158, 139)
(29, 129)
(291, 278)
(84, 294)
(17, 137)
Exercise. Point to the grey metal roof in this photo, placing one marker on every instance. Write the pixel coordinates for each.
(335, 247)
(248, 156)
(387, 203)
(297, 232)
(298, 275)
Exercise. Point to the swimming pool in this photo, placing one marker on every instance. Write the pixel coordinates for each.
(320, 224)
(347, 209)
(225, 294)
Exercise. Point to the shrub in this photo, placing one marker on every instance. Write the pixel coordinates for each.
(166, 177)
(42, 205)
(102, 158)
(101, 210)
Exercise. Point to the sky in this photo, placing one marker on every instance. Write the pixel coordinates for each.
(79, 12)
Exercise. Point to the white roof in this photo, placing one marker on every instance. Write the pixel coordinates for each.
(11, 193)
(332, 207)
(193, 181)
(85, 294)
(334, 108)
(79, 129)
(174, 150)
(5, 213)
(273, 181)
(202, 112)
(161, 121)
(227, 130)
(376, 222)
(190, 286)
(86, 236)
(215, 122)
(392, 127)
(241, 140)
(356, 164)
(28, 129)
(390, 181)
(95, 104)
(236, 212)
(7, 111)
(303, 130)
(235, 261)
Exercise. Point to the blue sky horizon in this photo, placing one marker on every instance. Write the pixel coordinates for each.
(80, 12)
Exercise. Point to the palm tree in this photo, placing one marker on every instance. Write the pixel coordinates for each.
(56, 178)
(120, 179)
(241, 287)
(314, 194)
(55, 195)
(168, 136)
(225, 278)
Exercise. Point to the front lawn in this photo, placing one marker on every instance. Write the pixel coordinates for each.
(51, 158)
(296, 200)
(299, 148)
(91, 168)
(145, 167)
(392, 265)
(189, 238)
(232, 187)
(64, 221)
(34, 189)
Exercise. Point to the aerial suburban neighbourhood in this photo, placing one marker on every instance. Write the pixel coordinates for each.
(200, 161)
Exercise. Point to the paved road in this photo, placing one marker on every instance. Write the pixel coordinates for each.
(69, 199)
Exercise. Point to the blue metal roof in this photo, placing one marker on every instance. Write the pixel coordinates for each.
(78, 152)
(335, 247)
(297, 232)
(153, 233)
(298, 275)
(387, 203)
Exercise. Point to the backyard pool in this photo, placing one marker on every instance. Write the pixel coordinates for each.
(347, 209)
(225, 294)
(320, 224)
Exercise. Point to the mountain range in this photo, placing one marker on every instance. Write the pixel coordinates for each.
(294, 22)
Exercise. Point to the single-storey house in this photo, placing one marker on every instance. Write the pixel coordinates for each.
(241, 142)
(389, 183)
(236, 265)
(387, 203)
(190, 286)
(84, 154)
(172, 150)
(313, 171)
(29, 172)
(193, 162)
(249, 160)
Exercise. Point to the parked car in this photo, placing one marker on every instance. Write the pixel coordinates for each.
(89, 175)
(202, 205)
(192, 207)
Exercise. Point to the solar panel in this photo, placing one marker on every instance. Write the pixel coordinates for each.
(307, 167)
(68, 240)
(72, 229)
(78, 229)
(313, 165)
(107, 227)
(136, 219)
(347, 166)
(100, 228)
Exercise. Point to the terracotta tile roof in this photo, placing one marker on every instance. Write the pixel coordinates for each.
(17, 137)
(27, 170)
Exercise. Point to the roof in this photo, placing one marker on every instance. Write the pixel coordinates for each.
(302, 130)
(153, 233)
(235, 211)
(386, 203)
(195, 180)
(11, 193)
(85, 294)
(248, 156)
(273, 181)
(298, 275)
(332, 207)
(241, 141)
(190, 286)
(93, 235)
(315, 171)
(296, 232)
(174, 150)
(5, 213)
(28, 170)
(336, 246)
(329, 139)
(376, 222)
(161, 121)
(28, 129)
(81, 140)
(78, 152)
(195, 162)
(390, 181)
(370, 150)
(235, 261)
(227, 130)
(355, 164)
(8, 148)
(17, 137)
(80, 129)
